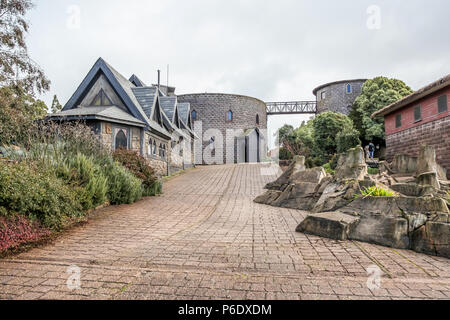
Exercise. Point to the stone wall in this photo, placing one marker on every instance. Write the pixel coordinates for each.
(212, 112)
(156, 159)
(436, 134)
(336, 97)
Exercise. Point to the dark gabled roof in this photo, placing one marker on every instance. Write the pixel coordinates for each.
(111, 113)
(419, 94)
(136, 81)
(184, 109)
(168, 104)
(121, 85)
(124, 89)
(146, 97)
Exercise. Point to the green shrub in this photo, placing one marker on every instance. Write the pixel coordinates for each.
(376, 192)
(373, 171)
(84, 172)
(328, 169)
(36, 192)
(285, 154)
(123, 186)
(347, 139)
(140, 168)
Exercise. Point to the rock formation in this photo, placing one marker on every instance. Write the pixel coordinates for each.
(417, 217)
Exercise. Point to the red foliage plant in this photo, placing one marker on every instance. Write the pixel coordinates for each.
(19, 230)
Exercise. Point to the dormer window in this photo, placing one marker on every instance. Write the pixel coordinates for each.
(194, 115)
(101, 99)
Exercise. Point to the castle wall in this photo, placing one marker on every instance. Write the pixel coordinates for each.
(336, 98)
(212, 112)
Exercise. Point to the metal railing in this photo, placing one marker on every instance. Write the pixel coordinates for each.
(294, 107)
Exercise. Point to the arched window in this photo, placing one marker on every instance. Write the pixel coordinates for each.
(257, 119)
(230, 116)
(194, 115)
(150, 145)
(349, 88)
(121, 140)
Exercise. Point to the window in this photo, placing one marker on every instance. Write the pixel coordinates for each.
(154, 148)
(349, 88)
(257, 119)
(230, 116)
(442, 104)
(149, 149)
(121, 141)
(417, 114)
(101, 99)
(323, 95)
(398, 121)
(164, 151)
(211, 143)
(194, 115)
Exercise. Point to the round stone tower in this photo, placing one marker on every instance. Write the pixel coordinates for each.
(239, 121)
(338, 96)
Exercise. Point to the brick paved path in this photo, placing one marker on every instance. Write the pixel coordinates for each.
(206, 239)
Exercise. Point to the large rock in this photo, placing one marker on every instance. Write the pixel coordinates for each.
(351, 165)
(404, 163)
(297, 166)
(428, 170)
(333, 225)
(432, 238)
(383, 230)
(428, 179)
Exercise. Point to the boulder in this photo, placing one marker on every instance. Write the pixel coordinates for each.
(381, 229)
(333, 225)
(413, 189)
(336, 195)
(297, 166)
(432, 238)
(428, 179)
(351, 165)
(404, 163)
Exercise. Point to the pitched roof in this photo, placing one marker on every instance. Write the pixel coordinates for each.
(136, 81)
(419, 94)
(184, 109)
(111, 113)
(146, 97)
(168, 104)
(124, 89)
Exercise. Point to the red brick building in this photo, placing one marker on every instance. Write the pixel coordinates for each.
(420, 118)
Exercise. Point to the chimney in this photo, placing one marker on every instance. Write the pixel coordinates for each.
(159, 78)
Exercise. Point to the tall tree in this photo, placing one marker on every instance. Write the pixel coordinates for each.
(16, 67)
(376, 94)
(56, 106)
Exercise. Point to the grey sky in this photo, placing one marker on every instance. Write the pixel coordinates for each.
(272, 50)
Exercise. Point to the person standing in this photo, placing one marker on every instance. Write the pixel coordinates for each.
(371, 150)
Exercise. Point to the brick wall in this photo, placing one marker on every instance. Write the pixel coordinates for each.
(435, 133)
(429, 108)
(212, 112)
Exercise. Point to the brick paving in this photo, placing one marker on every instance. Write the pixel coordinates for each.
(206, 239)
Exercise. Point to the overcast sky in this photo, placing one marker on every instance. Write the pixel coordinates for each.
(273, 50)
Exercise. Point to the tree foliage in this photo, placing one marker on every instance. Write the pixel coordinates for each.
(18, 111)
(321, 138)
(16, 67)
(376, 94)
(327, 127)
(56, 106)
